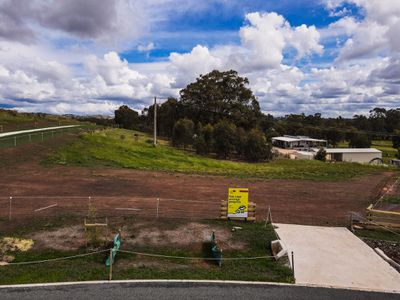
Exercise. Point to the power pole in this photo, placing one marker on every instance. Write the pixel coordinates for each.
(155, 122)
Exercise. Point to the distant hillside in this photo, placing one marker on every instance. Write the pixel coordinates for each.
(11, 120)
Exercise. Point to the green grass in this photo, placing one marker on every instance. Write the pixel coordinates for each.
(392, 200)
(386, 146)
(378, 235)
(127, 266)
(108, 149)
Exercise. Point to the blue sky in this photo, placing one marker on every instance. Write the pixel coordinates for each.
(337, 57)
(219, 24)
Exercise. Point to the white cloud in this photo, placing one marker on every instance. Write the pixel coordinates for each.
(112, 69)
(263, 41)
(188, 66)
(375, 34)
(87, 108)
(58, 63)
(145, 48)
(305, 40)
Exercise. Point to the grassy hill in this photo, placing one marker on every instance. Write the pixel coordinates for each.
(118, 148)
(12, 120)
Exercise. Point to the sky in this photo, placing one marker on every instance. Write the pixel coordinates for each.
(335, 57)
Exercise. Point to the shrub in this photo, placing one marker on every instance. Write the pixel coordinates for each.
(200, 145)
(321, 155)
(256, 147)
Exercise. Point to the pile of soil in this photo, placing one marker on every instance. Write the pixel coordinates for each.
(391, 249)
(188, 235)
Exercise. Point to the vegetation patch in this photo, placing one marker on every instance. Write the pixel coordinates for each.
(254, 240)
(378, 235)
(10, 245)
(106, 148)
(392, 200)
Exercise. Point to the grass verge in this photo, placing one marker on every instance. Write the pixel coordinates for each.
(377, 234)
(130, 266)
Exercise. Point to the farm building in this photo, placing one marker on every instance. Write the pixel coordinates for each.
(359, 155)
(297, 142)
(395, 162)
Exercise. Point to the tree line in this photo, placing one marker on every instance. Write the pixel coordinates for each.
(219, 114)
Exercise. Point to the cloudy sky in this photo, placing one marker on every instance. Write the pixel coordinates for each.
(337, 57)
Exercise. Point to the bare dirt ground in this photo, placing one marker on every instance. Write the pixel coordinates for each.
(124, 191)
(144, 234)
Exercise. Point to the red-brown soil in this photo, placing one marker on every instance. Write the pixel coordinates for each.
(113, 190)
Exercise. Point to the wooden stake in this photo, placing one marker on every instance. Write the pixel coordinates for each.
(351, 222)
(9, 212)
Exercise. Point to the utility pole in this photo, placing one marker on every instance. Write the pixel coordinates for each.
(155, 122)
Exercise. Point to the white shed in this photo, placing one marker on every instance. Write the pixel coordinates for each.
(359, 155)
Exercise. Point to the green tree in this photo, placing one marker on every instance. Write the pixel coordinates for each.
(321, 155)
(183, 133)
(207, 133)
(168, 113)
(221, 95)
(270, 133)
(256, 148)
(396, 138)
(334, 136)
(126, 117)
(200, 145)
(224, 138)
(240, 141)
(360, 141)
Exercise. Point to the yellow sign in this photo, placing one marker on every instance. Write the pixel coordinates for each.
(238, 202)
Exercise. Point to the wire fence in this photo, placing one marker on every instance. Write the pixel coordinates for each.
(14, 208)
(25, 207)
(21, 139)
(153, 255)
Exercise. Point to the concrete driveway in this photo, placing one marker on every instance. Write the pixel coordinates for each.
(334, 256)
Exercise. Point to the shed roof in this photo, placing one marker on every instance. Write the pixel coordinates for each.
(296, 139)
(352, 150)
(285, 139)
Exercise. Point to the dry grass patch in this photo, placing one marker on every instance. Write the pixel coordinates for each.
(63, 239)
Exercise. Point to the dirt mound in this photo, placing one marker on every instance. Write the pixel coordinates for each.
(190, 234)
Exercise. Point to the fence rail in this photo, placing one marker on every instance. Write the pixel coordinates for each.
(384, 218)
(19, 139)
